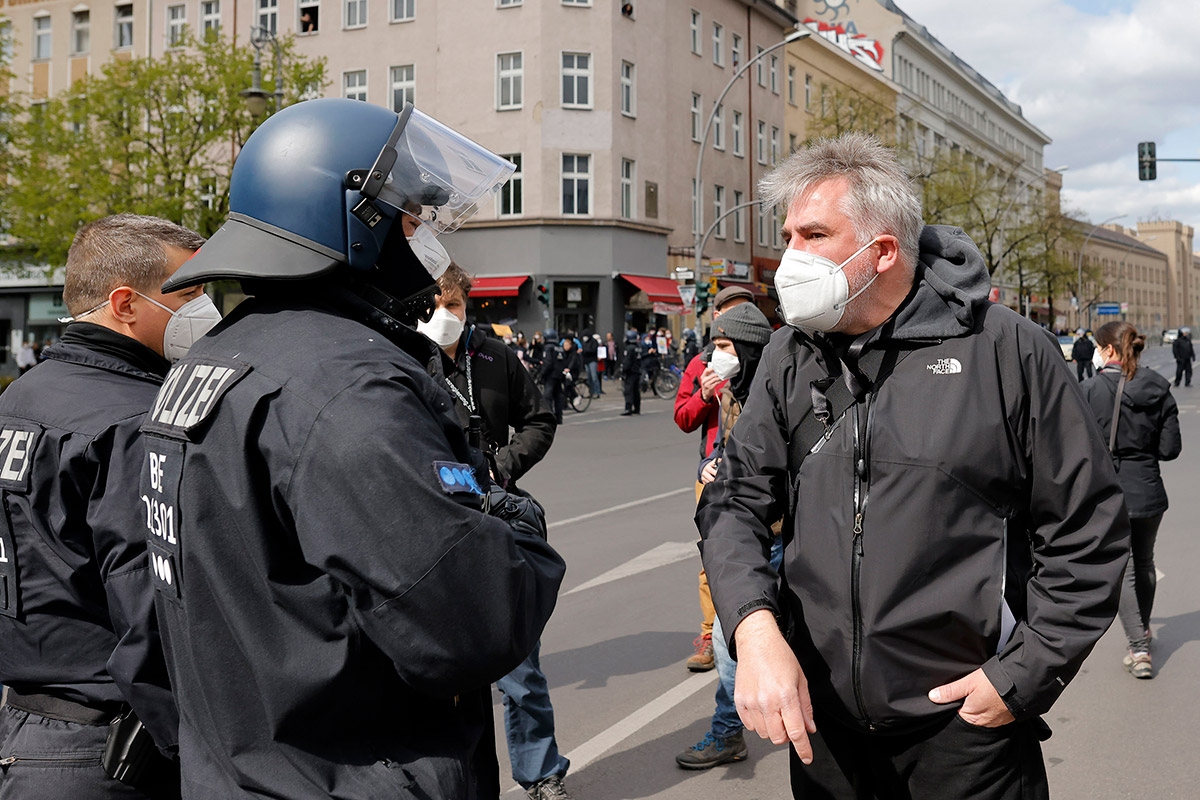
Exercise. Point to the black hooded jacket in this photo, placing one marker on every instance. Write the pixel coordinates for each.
(962, 513)
(1147, 432)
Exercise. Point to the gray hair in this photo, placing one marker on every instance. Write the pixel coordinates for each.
(881, 197)
(121, 250)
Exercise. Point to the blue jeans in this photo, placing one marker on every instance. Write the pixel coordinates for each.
(725, 719)
(529, 723)
(593, 376)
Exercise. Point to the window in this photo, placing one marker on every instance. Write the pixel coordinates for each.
(719, 128)
(651, 205)
(695, 117)
(511, 196)
(268, 15)
(404, 86)
(354, 13)
(576, 80)
(123, 34)
(807, 92)
(310, 17)
(510, 81)
(718, 44)
(176, 21)
(628, 89)
(354, 85)
(776, 233)
(695, 210)
(576, 2)
(739, 221)
(735, 50)
(210, 17)
(508, 3)
(791, 85)
(81, 31)
(758, 67)
(696, 32)
(762, 226)
(774, 144)
(775, 74)
(793, 143)
(403, 10)
(576, 177)
(41, 37)
(760, 143)
(719, 210)
(737, 133)
(628, 179)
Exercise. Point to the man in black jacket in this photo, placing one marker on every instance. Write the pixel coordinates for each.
(487, 381)
(337, 582)
(954, 532)
(1184, 355)
(1081, 353)
(631, 374)
(79, 644)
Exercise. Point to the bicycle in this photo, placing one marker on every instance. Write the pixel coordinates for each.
(579, 395)
(665, 381)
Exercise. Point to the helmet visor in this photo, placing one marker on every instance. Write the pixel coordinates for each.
(440, 176)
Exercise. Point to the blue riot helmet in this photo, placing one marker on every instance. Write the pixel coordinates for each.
(631, 336)
(320, 186)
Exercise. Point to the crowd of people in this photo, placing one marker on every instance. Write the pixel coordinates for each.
(287, 552)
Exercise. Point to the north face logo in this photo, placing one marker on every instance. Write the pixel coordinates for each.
(945, 366)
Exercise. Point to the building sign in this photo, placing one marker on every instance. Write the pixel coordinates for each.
(738, 270)
(856, 45)
(667, 308)
(1108, 309)
(45, 308)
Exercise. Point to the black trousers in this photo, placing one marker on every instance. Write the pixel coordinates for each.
(953, 760)
(1183, 369)
(633, 393)
(555, 397)
(1084, 369)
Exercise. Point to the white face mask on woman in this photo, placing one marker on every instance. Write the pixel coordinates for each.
(813, 290)
(443, 328)
(1098, 361)
(726, 365)
(188, 324)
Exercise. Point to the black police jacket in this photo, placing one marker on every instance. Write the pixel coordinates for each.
(76, 608)
(334, 603)
(962, 514)
(505, 398)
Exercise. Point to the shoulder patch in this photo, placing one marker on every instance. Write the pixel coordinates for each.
(17, 444)
(190, 393)
(456, 478)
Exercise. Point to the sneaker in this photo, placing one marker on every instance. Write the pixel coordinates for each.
(549, 789)
(702, 660)
(711, 751)
(1137, 663)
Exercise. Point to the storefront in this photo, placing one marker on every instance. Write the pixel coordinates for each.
(650, 301)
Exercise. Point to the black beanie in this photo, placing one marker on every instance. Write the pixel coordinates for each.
(743, 323)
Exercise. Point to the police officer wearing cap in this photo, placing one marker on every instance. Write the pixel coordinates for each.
(88, 698)
(336, 583)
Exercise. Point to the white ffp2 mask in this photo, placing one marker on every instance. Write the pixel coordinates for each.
(443, 328)
(429, 250)
(813, 290)
(726, 365)
(188, 324)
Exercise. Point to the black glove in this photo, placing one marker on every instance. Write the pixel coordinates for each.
(520, 511)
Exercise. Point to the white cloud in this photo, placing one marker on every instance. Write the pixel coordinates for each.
(1097, 84)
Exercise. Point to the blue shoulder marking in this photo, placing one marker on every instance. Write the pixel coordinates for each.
(456, 478)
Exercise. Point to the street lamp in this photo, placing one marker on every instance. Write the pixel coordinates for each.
(1079, 286)
(701, 236)
(256, 97)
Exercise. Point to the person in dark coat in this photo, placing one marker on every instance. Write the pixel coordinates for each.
(631, 373)
(79, 642)
(551, 369)
(1147, 432)
(1081, 354)
(1184, 354)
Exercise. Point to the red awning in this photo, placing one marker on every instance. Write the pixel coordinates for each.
(658, 290)
(508, 286)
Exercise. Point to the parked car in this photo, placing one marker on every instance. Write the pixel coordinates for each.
(1066, 342)
(1170, 336)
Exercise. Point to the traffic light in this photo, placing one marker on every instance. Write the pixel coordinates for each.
(543, 294)
(701, 295)
(1147, 164)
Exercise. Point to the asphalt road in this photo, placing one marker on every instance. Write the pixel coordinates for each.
(619, 498)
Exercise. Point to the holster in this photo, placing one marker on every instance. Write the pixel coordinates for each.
(131, 757)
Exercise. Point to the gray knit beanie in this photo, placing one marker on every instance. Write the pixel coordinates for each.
(743, 323)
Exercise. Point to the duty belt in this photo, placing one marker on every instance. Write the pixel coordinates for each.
(46, 705)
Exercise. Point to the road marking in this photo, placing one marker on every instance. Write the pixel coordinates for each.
(602, 742)
(621, 507)
(594, 420)
(666, 553)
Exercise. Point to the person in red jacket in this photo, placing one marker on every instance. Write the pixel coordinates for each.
(697, 407)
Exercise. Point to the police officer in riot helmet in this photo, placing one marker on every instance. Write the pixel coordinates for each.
(339, 584)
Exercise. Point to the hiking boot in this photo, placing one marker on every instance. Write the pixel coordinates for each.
(1137, 663)
(549, 789)
(702, 660)
(711, 751)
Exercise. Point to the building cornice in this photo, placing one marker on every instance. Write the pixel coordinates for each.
(584, 222)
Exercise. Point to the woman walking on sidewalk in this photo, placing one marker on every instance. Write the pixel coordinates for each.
(1145, 432)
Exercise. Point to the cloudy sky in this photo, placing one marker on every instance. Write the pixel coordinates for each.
(1097, 76)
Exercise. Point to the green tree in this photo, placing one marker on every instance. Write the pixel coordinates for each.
(148, 135)
(844, 109)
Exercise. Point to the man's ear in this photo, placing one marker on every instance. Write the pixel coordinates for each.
(120, 304)
(889, 252)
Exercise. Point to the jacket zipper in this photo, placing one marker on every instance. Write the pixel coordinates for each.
(10, 760)
(861, 489)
